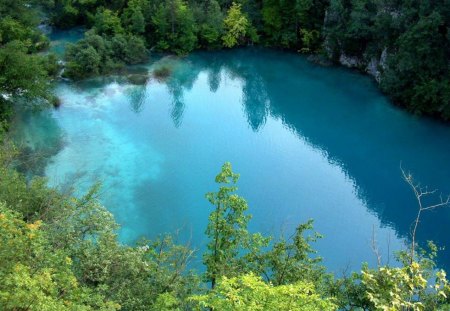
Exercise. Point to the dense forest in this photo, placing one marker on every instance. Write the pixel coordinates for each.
(403, 44)
(58, 252)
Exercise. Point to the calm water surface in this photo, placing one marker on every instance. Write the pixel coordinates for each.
(308, 141)
(60, 39)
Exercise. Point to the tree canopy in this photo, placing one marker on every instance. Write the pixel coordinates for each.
(404, 44)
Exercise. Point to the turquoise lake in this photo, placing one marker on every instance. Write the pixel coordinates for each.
(308, 141)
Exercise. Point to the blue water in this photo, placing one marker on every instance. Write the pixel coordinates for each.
(308, 141)
(60, 38)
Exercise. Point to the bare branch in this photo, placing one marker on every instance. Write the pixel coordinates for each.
(374, 246)
(441, 204)
(419, 193)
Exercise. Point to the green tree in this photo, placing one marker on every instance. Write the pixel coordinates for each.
(272, 20)
(290, 261)
(422, 86)
(82, 61)
(281, 22)
(237, 27)
(175, 27)
(64, 13)
(19, 10)
(231, 249)
(134, 18)
(22, 76)
(12, 29)
(96, 54)
(209, 19)
(129, 49)
(107, 22)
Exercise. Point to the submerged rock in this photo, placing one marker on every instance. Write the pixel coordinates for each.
(162, 73)
(320, 60)
(138, 79)
(56, 102)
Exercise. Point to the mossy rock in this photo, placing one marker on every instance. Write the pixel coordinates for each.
(162, 73)
(56, 102)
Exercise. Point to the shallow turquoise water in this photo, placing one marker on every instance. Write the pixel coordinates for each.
(60, 39)
(308, 141)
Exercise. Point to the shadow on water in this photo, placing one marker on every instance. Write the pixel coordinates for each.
(182, 78)
(36, 143)
(367, 136)
(337, 112)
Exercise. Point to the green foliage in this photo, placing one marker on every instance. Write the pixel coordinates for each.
(21, 74)
(12, 29)
(405, 42)
(133, 17)
(292, 261)
(82, 62)
(231, 247)
(128, 49)
(23, 78)
(236, 26)
(64, 13)
(310, 40)
(19, 10)
(51, 65)
(95, 54)
(61, 253)
(280, 22)
(33, 276)
(395, 288)
(424, 86)
(82, 232)
(292, 24)
(166, 302)
(107, 22)
(412, 36)
(209, 19)
(414, 285)
(249, 293)
(175, 27)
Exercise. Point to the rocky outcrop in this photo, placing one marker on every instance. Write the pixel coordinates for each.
(376, 66)
(45, 28)
(350, 61)
(383, 59)
(373, 66)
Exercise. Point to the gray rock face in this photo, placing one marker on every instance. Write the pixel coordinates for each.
(372, 69)
(45, 28)
(383, 59)
(350, 61)
(373, 66)
(376, 66)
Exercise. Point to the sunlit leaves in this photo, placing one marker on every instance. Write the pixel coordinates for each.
(249, 293)
(236, 26)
